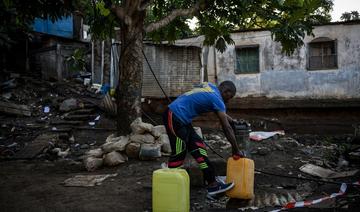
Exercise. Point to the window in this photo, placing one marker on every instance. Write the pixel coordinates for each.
(247, 59)
(322, 54)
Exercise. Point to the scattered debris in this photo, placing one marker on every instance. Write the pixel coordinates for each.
(325, 173)
(15, 109)
(35, 147)
(114, 158)
(92, 163)
(149, 151)
(261, 135)
(87, 180)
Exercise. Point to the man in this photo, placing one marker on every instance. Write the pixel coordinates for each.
(178, 117)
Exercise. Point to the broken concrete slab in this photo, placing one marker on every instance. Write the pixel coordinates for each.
(35, 147)
(325, 173)
(87, 180)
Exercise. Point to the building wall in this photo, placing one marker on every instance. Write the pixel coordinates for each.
(284, 76)
(176, 67)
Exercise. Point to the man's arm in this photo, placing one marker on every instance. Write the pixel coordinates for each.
(229, 132)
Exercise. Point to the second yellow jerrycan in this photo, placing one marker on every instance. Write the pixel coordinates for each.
(241, 172)
(171, 190)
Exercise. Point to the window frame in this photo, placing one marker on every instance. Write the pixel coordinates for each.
(322, 41)
(240, 47)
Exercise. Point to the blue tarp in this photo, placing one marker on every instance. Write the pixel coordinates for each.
(62, 27)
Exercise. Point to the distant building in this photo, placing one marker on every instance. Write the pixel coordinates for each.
(326, 66)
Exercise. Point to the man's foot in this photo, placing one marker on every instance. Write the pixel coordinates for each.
(219, 188)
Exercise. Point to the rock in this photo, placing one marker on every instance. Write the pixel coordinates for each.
(115, 144)
(142, 139)
(263, 150)
(149, 151)
(96, 153)
(157, 131)
(110, 138)
(84, 146)
(114, 158)
(68, 104)
(164, 141)
(198, 131)
(139, 127)
(92, 164)
(279, 147)
(132, 150)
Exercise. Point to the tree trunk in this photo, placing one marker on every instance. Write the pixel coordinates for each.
(131, 71)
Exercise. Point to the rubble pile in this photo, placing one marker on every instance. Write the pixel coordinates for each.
(146, 142)
(32, 107)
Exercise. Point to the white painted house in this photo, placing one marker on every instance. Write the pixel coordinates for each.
(327, 66)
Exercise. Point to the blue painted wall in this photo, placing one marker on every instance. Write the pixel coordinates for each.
(62, 27)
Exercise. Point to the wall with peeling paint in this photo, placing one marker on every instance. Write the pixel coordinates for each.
(284, 76)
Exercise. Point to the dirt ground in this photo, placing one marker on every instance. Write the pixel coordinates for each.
(38, 184)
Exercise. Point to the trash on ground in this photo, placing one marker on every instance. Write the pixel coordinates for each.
(325, 173)
(87, 180)
(262, 135)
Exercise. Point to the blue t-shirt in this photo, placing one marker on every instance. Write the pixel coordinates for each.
(206, 98)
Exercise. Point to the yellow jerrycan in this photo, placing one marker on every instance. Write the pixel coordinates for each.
(241, 172)
(170, 190)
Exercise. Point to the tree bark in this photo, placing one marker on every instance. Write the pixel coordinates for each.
(131, 71)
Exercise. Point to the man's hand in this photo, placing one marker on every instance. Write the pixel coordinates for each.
(239, 154)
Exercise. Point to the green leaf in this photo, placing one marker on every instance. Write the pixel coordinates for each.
(101, 6)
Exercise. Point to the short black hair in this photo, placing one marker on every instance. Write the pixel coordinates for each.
(228, 85)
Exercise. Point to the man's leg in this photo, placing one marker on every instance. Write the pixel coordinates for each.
(177, 134)
(196, 147)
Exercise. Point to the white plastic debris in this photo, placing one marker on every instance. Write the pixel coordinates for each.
(262, 135)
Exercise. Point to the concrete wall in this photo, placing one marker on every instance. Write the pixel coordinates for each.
(287, 76)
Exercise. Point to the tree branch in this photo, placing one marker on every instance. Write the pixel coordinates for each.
(121, 14)
(145, 4)
(173, 14)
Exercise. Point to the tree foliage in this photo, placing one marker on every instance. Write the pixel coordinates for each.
(288, 20)
(17, 15)
(350, 16)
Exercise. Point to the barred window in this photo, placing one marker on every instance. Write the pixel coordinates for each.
(247, 59)
(322, 54)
